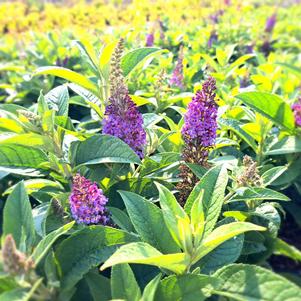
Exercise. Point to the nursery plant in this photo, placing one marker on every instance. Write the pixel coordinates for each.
(155, 168)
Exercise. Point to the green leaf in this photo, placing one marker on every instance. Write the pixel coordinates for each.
(85, 249)
(10, 125)
(87, 53)
(105, 57)
(226, 253)
(121, 219)
(36, 185)
(46, 243)
(235, 126)
(84, 93)
(149, 223)
(187, 287)
(90, 98)
(42, 104)
(272, 174)
(257, 194)
(102, 149)
(99, 286)
(68, 75)
(151, 288)
(7, 283)
(213, 183)
(271, 106)
(221, 234)
(130, 60)
(239, 62)
(57, 100)
(30, 139)
(287, 145)
(17, 217)
(21, 294)
(244, 282)
(18, 294)
(172, 212)
(197, 169)
(283, 248)
(17, 158)
(197, 217)
(144, 253)
(123, 283)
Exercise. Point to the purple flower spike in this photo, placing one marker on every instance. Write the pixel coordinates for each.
(122, 117)
(126, 123)
(199, 134)
(177, 78)
(212, 39)
(87, 202)
(200, 120)
(270, 23)
(215, 17)
(297, 112)
(150, 38)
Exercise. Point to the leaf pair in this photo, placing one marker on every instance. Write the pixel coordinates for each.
(193, 233)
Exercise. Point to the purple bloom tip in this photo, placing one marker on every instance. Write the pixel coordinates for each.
(150, 38)
(87, 202)
(126, 123)
(200, 119)
(296, 107)
(177, 78)
(270, 23)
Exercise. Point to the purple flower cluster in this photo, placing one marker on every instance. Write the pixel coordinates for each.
(212, 39)
(199, 133)
(87, 202)
(200, 119)
(215, 17)
(270, 23)
(126, 123)
(297, 112)
(122, 117)
(177, 78)
(150, 38)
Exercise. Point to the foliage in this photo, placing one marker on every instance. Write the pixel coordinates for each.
(55, 89)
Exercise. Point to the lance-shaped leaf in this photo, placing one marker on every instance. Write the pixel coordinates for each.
(17, 218)
(21, 159)
(243, 282)
(58, 100)
(213, 183)
(46, 243)
(151, 288)
(236, 127)
(148, 221)
(29, 139)
(130, 60)
(188, 287)
(198, 218)
(102, 149)
(144, 253)
(69, 75)
(287, 145)
(86, 249)
(221, 234)
(257, 194)
(123, 283)
(172, 213)
(271, 106)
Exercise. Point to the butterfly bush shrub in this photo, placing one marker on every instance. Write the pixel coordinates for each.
(127, 174)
